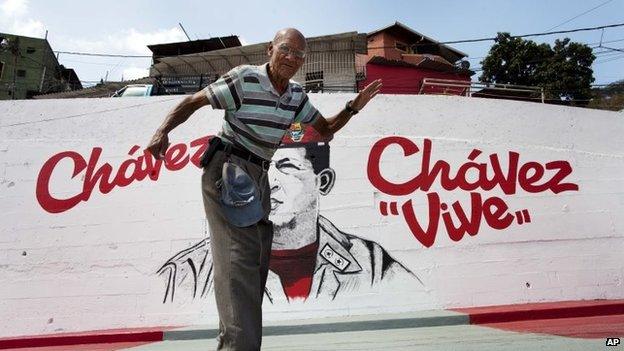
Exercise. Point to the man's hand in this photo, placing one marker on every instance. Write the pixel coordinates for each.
(159, 145)
(183, 110)
(328, 127)
(366, 95)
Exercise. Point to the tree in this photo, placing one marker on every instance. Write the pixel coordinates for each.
(564, 70)
(513, 61)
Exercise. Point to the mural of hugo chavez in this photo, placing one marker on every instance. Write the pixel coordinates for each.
(310, 257)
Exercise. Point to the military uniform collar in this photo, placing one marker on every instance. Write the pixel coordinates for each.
(333, 250)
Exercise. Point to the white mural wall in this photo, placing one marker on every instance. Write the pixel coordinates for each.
(427, 202)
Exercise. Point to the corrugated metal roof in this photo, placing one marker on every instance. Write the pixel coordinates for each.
(250, 53)
(194, 46)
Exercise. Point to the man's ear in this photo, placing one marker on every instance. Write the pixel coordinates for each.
(325, 180)
(270, 49)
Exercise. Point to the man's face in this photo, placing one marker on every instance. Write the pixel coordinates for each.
(294, 186)
(286, 54)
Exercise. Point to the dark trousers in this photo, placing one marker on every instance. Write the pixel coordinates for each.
(240, 260)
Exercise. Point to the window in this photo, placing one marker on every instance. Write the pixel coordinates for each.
(30, 50)
(428, 48)
(400, 46)
(136, 91)
(1, 69)
(314, 82)
(21, 73)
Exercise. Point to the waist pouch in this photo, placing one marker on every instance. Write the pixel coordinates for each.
(213, 145)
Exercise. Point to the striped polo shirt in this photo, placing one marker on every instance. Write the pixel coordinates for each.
(256, 116)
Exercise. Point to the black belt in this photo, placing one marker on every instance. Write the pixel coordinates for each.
(231, 149)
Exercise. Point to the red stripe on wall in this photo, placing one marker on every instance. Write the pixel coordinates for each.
(91, 337)
(548, 310)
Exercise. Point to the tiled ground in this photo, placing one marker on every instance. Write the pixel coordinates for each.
(459, 337)
(566, 325)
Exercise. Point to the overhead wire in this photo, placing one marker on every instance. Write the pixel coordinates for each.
(605, 42)
(579, 15)
(379, 47)
(548, 32)
(610, 59)
(46, 84)
(537, 34)
(100, 55)
(602, 54)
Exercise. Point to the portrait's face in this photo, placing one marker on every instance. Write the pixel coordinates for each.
(287, 55)
(294, 186)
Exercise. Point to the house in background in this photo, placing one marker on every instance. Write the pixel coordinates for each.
(404, 58)
(330, 64)
(28, 67)
(343, 62)
(169, 83)
(70, 77)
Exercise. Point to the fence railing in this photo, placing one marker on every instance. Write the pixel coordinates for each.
(466, 88)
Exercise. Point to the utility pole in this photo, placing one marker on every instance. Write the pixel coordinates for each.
(43, 64)
(184, 30)
(16, 51)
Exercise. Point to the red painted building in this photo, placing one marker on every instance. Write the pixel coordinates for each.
(403, 58)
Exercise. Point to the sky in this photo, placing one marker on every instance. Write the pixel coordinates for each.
(126, 27)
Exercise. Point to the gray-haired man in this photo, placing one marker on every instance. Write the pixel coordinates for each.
(260, 103)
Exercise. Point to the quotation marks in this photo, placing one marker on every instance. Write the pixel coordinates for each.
(383, 208)
(523, 216)
(462, 218)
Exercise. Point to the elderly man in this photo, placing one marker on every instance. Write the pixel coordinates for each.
(260, 103)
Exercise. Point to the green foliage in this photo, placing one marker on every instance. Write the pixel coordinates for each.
(564, 70)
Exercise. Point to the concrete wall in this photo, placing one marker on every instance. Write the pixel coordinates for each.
(544, 184)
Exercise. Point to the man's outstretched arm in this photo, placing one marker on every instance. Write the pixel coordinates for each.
(329, 126)
(160, 141)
